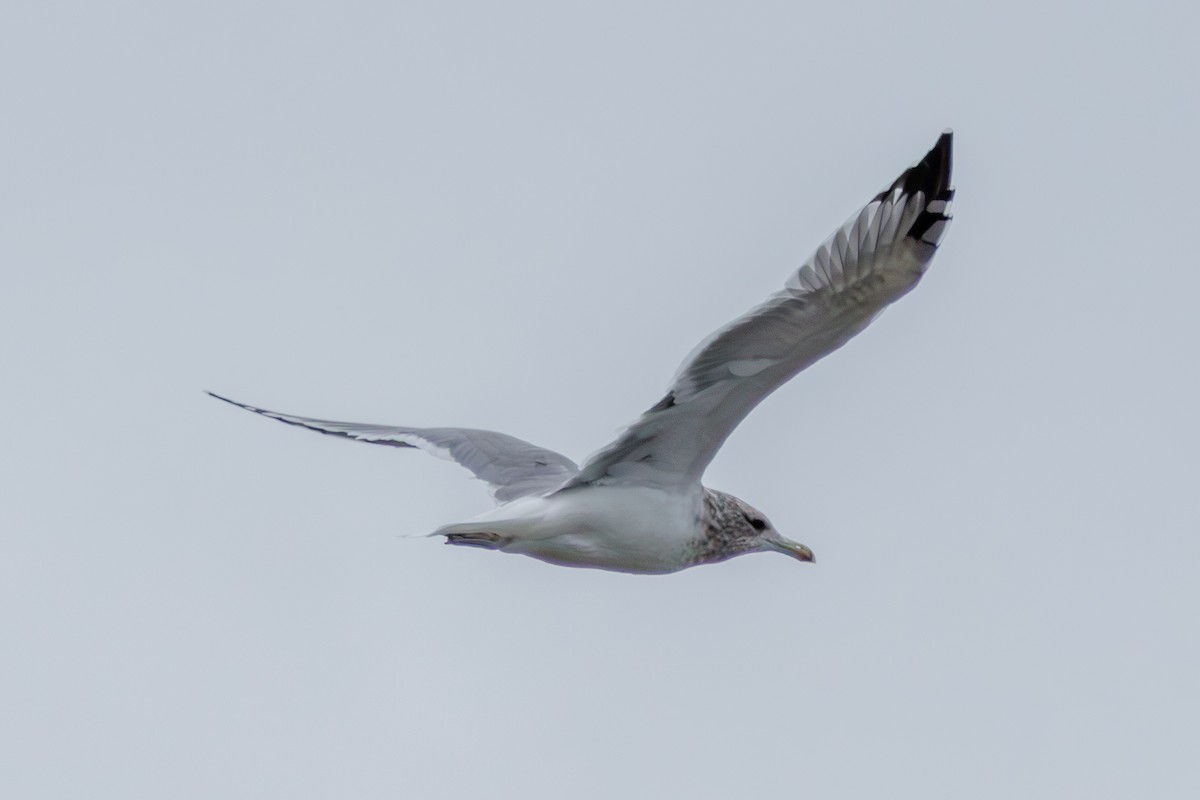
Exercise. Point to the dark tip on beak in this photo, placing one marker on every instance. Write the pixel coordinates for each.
(794, 549)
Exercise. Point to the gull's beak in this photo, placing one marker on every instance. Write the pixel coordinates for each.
(790, 548)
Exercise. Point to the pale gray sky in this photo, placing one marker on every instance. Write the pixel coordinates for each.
(522, 216)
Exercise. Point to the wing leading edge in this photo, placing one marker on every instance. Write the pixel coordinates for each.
(511, 467)
(871, 261)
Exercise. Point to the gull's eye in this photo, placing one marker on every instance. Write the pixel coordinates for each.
(758, 524)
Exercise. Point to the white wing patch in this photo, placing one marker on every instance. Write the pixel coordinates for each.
(744, 368)
(418, 442)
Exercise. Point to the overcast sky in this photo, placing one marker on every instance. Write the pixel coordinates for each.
(522, 216)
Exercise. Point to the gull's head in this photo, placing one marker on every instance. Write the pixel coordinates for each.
(735, 527)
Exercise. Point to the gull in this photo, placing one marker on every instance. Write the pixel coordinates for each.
(638, 505)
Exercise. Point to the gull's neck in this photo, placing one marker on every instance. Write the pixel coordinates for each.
(724, 530)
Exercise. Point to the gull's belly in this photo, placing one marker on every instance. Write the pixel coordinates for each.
(622, 528)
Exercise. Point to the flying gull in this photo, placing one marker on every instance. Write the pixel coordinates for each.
(638, 505)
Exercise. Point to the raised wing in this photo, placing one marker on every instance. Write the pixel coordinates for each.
(511, 467)
(875, 258)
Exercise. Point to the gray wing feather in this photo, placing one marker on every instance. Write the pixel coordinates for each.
(874, 259)
(510, 466)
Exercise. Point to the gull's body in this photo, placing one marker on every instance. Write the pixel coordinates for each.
(638, 504)
(626, 528)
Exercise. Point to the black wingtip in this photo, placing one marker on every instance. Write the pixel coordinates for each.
(931, 178)
(930, 175)
(224, 399)
(940, 163)
(255, 409)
